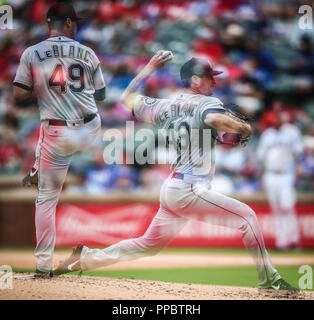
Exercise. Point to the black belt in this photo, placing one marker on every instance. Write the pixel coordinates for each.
(56, 122)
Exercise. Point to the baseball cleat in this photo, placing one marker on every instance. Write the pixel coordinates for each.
(43, 275)
(30, 180)
(70, 264)
(281, 285)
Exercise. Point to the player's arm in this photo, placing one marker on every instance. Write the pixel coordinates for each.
(133, 89)
(222, 122)
(20, 94)
(23, 81)
(98, 80)
(100, 96)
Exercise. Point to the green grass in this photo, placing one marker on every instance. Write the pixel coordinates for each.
(228, 276)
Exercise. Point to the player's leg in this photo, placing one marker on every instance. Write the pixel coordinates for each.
(79, 139)
(31, 179)
(287, 199)
(54, 153)
(83, 138)
(52, 170)
(214, 208)
(272, 186)
(160, 232)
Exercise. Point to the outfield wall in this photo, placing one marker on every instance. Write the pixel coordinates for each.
(103, 220)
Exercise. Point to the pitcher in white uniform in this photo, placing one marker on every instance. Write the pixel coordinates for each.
(66, 78)
(187, 193)
(279, 148)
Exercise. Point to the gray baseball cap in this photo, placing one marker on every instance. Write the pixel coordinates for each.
(198, 67)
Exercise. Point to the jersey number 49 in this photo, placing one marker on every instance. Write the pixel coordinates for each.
(60, 74)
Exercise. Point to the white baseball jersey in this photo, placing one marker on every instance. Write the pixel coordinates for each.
(64, 75)
(190, 136)
(278, 149)
(181, 199)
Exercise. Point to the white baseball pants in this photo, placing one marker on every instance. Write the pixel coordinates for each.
(54, 151)
(181, 201)
(281, 195)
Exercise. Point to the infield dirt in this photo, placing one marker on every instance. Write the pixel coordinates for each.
(71, 287)
(96, 288)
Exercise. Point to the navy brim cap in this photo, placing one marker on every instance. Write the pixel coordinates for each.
(76, 19)
(197, 67)
(60, 12)
(216, 72)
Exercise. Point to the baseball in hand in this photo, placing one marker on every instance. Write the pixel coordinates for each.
(166, 55)
(160, 58)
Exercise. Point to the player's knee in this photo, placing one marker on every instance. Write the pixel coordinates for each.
(152, 246)
(249, 216)
(47, 195)
(249, 212)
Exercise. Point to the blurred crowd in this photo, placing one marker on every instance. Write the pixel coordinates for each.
(267, 59)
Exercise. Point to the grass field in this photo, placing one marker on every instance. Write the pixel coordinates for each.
(229, 276)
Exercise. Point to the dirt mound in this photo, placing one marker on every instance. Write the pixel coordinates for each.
(97, 288)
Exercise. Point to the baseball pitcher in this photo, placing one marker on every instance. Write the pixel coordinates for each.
(67, 79)
(187, 193)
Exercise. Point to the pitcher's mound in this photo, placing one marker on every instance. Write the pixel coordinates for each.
(77, 288)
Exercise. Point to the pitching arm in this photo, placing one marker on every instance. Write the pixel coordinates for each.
(133, 89)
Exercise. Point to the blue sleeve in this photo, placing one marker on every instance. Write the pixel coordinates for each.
(100, 94)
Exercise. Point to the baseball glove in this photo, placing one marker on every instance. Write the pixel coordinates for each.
(233, 111)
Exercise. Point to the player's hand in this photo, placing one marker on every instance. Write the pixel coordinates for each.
(243, 121)
(234, 139)
(246, 137)
(160, 59)
(244, 141)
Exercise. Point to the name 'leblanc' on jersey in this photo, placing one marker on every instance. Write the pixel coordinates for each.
(64, 51)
